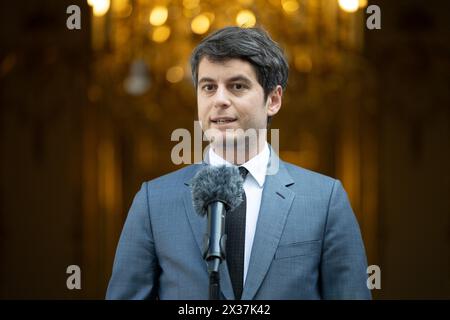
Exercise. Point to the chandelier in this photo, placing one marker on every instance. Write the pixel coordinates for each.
(154, 39)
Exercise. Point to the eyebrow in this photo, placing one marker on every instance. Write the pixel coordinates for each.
(205, 80)
(232, 79)
(240, 78)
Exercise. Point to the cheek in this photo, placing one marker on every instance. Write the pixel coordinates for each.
(201, 108)
(255, 112)
(203, 114)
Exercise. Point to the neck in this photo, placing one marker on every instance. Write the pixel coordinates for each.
(239, 153)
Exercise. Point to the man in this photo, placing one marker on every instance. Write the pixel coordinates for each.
(301, 239)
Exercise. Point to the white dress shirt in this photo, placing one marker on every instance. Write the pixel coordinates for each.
(253, 187)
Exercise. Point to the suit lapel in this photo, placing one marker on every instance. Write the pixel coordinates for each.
(275, 204)
(199, 227)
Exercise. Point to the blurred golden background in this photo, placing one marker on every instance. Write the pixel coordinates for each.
(87, 116)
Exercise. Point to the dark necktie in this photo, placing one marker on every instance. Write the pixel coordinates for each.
(235, 245)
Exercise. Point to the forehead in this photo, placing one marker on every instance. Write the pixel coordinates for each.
(223, 70)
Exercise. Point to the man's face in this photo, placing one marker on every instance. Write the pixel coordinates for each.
(229, 97)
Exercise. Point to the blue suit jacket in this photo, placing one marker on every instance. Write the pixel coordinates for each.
(307, 243)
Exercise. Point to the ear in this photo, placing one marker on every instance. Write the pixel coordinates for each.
(274, 101)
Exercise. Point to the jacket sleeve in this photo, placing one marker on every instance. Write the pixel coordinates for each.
(135, 269)
(344, 263)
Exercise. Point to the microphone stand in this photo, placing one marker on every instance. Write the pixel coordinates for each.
(215, 246)
(214, 280)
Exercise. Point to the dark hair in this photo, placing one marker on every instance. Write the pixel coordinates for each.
(253, 45)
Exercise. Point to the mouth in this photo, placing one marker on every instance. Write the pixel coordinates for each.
(222, 120)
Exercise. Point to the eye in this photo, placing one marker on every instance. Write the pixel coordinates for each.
(239, 86)
(208, 87)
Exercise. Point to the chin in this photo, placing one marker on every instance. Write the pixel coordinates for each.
(235, 141)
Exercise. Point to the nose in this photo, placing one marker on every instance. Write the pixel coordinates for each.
(221, 98)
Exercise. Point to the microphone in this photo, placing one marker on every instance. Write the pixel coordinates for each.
(215, 192)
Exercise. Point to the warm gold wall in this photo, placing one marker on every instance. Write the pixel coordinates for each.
(371, 110)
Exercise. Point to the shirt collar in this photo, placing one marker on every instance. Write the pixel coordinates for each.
(256, 166)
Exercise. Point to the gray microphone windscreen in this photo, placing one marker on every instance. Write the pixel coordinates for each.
(223, 183)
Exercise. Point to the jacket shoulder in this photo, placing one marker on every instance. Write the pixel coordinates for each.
(311, 180)
(174, 178)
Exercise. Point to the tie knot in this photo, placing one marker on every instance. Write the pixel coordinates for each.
(243, 172)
